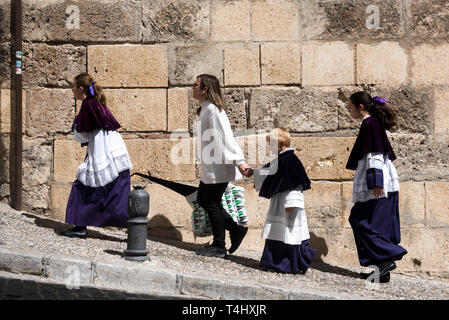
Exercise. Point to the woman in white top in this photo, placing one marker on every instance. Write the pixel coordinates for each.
(375, 215)
(99, 194)
(222, 160)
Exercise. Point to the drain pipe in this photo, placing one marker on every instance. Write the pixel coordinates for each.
(15, 156)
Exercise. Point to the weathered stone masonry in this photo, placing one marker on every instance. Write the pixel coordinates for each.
(281, 63)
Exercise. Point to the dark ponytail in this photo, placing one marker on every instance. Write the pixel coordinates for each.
(86, 81)
(377, 107)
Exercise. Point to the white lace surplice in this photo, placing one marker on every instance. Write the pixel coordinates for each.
(288, 227)
(376, 160)
(107, 156)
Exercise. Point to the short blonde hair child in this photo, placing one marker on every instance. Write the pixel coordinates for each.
(281, 135)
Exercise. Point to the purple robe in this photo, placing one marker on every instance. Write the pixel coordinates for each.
(93, 115)
(289, 175)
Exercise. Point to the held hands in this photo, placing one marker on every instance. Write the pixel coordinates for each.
(245, 170)
(378, 191)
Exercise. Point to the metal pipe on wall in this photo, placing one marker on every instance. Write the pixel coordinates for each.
(15, 158)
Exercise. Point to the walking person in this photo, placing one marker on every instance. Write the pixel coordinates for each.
(286, 232)
(222, 161)
(99, 194)
(375, 215)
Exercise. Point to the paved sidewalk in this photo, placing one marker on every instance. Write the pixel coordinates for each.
(30, 244)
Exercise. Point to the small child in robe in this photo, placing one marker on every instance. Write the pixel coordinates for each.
(283, 181)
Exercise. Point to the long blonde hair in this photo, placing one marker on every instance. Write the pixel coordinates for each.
(85, 80)
(213, 92)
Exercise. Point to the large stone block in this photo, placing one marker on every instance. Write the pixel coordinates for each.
(345, 120)
(297, 110)
(59, 197)
(346, 202)
(178, 109)
(186, 62)
(427, 249)
(236, 101)
(256, 207)
(168, 208)
(420, 158)
(5, 142)
(175, 20)
(412, 204)
(274, 20)
(37, 162)
(169, 159)
(323, 205)
(236, 105)
(129, 65)
(437, 206)
(312, 20)
(242, 67)
(5, 65)
(429, 20)
(5, 110)
(5, 20)
(334, 246)
(139, 109)
(324, 158)
(328, 64)
(414, 106)
(384, 63)
(281, 63)
(87, 21)
(431, 65)
(357, 19)
(50, 65)
(49, 111)
(441, 114)
(68, 155)
(36, 198)
(230, 20)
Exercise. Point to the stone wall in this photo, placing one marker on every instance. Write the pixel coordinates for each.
(281, 63)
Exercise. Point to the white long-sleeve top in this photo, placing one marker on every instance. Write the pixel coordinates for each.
(219, 152)
(107, 156)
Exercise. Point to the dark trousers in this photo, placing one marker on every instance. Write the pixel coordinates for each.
(209, 197)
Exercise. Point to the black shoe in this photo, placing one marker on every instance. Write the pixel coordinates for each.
(212, 251)
(382, 279)
(236, 238)
(76, 232)
(385, 267)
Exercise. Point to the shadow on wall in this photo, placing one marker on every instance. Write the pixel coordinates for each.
(319, 244)
(160, 228)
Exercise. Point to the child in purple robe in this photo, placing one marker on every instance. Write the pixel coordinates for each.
(99, 194)
(375, 216)
(283, 181)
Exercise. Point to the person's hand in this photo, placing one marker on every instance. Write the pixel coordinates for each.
(378, 191)
(245, 170)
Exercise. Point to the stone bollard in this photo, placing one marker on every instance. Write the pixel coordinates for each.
(138, 208)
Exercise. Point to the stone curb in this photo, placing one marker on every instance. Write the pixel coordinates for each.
(146, 278)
